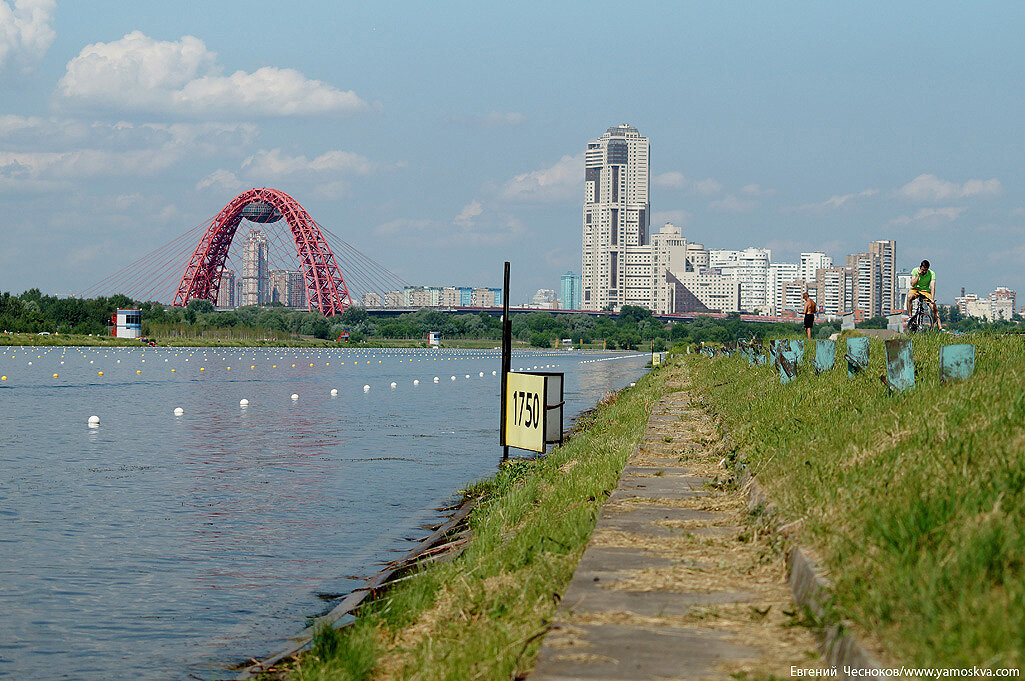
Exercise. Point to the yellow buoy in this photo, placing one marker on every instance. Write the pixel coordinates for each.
(252, 366)
(202, 368)
(172, 371)
(138, 371)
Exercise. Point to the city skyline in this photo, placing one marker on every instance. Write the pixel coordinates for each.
(790, 128)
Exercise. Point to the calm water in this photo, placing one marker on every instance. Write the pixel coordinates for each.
(157, 546)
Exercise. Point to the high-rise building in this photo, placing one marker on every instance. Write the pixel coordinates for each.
(834, 291)
(255, 277)
(371, 299)
(751, 268)
(226, 290)
(884, 252)
(1002, 302)
(780, 273)
(616, 214)
(570, 298)
(450, 296)
(277, 287)
(811, 263)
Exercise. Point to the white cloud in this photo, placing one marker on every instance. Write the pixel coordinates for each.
(25, 31)
(498, 119)
(558, 182)
(673, 178)
(756, 190)
(85, 163)
(276, 164)
(934, 215)
(838, 200)
(731, 204)
(931, 188)
(676, 180)
(221, 179)
(468, 214)
(45, 155)
(140, 73)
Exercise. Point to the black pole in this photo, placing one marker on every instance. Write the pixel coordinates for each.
(506, 355)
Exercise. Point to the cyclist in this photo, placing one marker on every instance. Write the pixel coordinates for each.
(923, 284)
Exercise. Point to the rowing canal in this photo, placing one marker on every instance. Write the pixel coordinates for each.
(156, 546)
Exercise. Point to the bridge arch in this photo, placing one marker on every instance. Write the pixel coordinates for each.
(326, 290)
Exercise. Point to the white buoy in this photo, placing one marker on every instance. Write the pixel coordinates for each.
(295, 396)
(94, 421)
(416, 381)
(243, 402)
(453, 378)
(178, 411)
(494, 373)
(481, 374)
(467, 375)
(334, 391)
(393, 384)
(366, 388)
(435, 379)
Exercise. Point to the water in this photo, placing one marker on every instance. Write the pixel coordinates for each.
(168, 547)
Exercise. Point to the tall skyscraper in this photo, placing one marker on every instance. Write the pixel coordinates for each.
(570, 298)
(616, 214)
(226, 289)
(255, 276)
(885, 254)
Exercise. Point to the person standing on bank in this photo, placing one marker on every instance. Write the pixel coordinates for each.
(809, 313)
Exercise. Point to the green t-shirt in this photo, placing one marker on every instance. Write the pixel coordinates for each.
(925, 280)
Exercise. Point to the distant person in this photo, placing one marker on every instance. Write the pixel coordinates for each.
(809, 313)
(923, 284)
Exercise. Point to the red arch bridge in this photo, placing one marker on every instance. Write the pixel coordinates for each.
(285, 257)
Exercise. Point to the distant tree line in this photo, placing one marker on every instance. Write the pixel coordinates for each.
(633, 328)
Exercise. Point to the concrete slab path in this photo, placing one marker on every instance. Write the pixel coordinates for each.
(675, 582)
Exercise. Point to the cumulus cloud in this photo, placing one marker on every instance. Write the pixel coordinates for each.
(26, 32)
(276, 164)
(839, 200)
(931, 188)
(139, 73)
(469, 212)
(49, 134)
(676, 180)
(46, 154)
(934, 215)
(732, 204)
(756, 190)
(561, 181)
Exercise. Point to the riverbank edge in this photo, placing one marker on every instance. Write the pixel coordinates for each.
(489, 601)
(839, 643)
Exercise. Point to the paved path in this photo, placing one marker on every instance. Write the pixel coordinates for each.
(675, 583)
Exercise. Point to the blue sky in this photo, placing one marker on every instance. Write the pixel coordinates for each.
(444, 138)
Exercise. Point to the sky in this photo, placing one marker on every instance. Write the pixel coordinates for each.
(442, 139)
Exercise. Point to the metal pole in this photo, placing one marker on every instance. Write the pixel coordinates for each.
(506, 355)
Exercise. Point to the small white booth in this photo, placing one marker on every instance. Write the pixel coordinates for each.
(129, 324)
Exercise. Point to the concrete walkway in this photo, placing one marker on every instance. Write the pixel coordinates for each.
(675, 583)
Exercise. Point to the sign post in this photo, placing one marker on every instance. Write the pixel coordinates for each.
(506, 357)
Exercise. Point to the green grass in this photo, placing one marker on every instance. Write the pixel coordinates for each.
(916, 501)
(482, 615)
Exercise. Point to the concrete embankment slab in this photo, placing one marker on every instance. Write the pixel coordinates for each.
(674, 584)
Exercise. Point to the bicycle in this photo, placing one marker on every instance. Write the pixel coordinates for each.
(921, 319)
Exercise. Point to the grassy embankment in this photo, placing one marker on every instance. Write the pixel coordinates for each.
(915, 501)
(482, 615)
